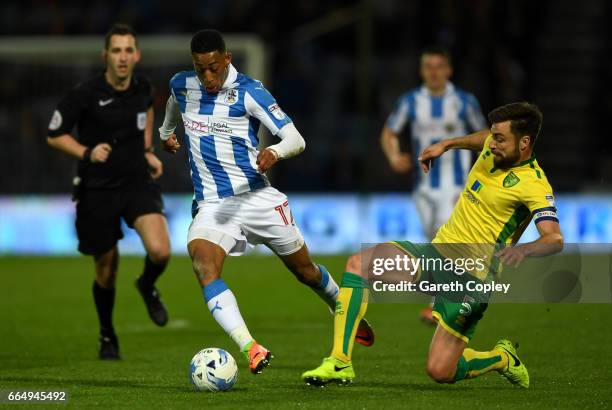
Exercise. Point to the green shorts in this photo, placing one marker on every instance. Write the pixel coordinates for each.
(458, 318)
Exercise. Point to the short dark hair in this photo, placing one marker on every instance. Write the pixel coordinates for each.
(120, 29)
(205, 41)
(437, 51)
(525, 119)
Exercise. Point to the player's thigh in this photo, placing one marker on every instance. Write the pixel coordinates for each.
(459, 319)
(265, 216)
(385, 261)
(98, 221)
(216, 222)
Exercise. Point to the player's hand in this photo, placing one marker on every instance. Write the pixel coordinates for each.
(171, 145)
(429, 154)
(155, 165)
(100, 153)
(401, 163)
(266, 159)
(511, 255)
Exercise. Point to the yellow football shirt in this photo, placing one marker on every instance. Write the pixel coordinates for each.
(496, 205)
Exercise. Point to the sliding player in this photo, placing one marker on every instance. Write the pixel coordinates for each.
(505, 189)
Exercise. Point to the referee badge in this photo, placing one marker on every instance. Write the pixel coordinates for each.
(141, 120)
(56, 120)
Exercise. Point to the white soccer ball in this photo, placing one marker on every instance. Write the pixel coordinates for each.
(213, 369)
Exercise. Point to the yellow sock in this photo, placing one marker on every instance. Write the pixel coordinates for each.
(351, 307)
(473, 364)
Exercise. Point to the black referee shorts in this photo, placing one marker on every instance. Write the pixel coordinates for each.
(99, 213)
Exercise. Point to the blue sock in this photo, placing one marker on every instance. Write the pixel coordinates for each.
(327, 288)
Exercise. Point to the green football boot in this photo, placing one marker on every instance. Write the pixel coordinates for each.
(331, 371)
(515, 372)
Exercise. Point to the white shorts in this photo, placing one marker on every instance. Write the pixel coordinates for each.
(258, 217)
(435, 208)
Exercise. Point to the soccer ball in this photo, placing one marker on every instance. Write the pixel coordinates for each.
(213, 369)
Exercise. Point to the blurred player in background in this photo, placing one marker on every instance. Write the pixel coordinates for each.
(436, 111)
(234, 204)
(505, 190)
(114, 116)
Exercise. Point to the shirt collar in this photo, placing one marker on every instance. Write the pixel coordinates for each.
(447, 90)
(232, 74)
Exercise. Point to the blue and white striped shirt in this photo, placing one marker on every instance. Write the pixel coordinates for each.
(434, 118)
(221, 132)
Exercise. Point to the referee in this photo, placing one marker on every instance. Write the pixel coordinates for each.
(114, 116)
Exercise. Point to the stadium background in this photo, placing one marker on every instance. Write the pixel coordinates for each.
(336, 68)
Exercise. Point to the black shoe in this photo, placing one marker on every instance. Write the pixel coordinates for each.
(157, 310)
(109, 348)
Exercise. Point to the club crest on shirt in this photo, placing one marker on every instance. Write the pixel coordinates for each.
(231, 96)
(56, 120)
(511, 180)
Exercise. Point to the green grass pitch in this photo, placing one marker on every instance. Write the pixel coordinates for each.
(48, 341)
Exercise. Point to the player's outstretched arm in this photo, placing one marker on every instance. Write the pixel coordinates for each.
(473, 142)
(549, 242)
(401, 162)
(292, 143)
(166, 131)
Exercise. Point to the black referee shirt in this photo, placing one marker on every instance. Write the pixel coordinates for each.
(103, 114)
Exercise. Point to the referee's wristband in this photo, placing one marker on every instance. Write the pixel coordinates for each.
(87, 154)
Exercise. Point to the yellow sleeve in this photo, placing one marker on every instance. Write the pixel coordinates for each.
(540, 200)
(487, 141)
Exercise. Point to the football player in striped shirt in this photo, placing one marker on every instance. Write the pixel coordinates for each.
(234, 204)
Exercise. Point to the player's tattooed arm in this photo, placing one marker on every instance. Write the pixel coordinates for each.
(549, 242)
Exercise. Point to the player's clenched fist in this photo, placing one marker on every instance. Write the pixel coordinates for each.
(171, 145)
(430, 153)
(100, 153)
(266, 159)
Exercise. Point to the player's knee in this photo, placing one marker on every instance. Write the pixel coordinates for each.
(353, 264)
(206, 271)
(106, 269)
(440, 372)
(106, 276)
(159, 254)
